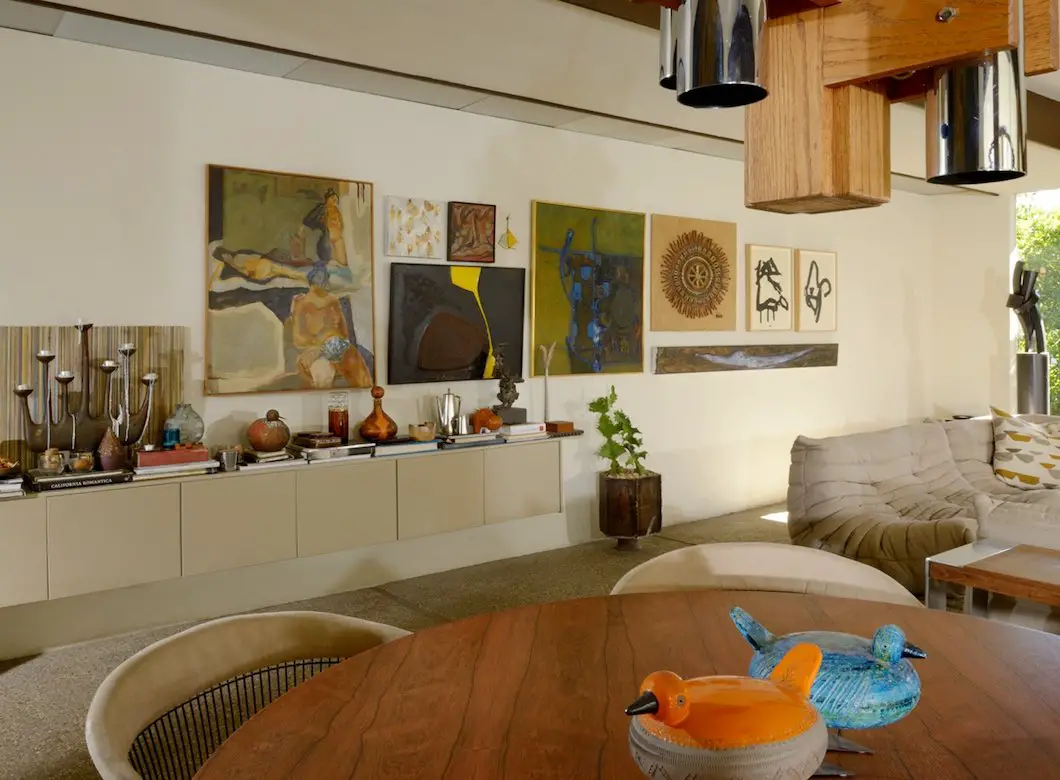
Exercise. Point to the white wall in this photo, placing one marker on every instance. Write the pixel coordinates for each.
(556, 52)
(973, 338)
(102, 157)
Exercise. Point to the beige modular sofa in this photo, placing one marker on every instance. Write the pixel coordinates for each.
(892, 498)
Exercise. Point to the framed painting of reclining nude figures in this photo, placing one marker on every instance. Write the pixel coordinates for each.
(289, 286)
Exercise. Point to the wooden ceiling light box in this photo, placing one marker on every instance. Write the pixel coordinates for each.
(820, 141)
(810, 148)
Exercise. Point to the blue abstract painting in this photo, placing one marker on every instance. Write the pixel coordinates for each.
(588, 289)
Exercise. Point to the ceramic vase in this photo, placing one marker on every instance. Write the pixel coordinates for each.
(188, 422)
(269, 434)
(485, 420)
(378, 426)
(111, 452)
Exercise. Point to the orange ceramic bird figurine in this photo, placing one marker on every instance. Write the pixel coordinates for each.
(721, 728)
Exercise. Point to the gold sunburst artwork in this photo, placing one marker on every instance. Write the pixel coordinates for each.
(693, 274)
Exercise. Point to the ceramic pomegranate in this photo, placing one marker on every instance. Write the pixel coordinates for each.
(269, 434)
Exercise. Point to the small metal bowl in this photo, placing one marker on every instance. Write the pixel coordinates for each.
(425, 431)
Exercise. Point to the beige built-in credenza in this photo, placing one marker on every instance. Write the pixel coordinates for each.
(68, 543)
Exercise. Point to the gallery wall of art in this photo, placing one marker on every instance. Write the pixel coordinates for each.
(104, 208)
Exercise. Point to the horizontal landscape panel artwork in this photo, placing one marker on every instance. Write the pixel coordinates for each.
(289, 284)
(688, 360)
(588, 289)
(452, 323)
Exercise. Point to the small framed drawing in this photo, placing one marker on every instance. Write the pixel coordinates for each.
(815, 275)
(769, 288)
(472, 232)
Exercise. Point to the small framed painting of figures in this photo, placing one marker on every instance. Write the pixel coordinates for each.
(472, 232)
(769, 288)
(815, 274)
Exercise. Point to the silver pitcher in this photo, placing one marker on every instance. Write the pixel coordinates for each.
(448, 409)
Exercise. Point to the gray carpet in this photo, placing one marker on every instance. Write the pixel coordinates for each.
(43, 700)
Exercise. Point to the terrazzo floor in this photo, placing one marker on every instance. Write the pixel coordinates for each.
(43, 699)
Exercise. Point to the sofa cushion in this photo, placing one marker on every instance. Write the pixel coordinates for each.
(1019, 522)
(1025, 455)
(972, 447)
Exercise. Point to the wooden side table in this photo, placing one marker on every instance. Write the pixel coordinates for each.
(993, 566)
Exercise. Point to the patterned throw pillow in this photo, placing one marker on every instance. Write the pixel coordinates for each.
(1026, 454)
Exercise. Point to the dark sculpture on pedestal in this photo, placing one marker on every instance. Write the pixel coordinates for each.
(1024, 302)
(1032, 366)
(508, 393)
(67, 426)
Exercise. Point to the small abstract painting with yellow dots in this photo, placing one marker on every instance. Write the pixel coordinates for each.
(415, 228)
(693, 274)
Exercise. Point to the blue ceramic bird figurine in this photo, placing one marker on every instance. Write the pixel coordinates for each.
(863, 683)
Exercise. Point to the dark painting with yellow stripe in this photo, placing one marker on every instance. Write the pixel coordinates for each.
(453, 323)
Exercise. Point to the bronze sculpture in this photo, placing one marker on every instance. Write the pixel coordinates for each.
(73, 426)
(508, 393)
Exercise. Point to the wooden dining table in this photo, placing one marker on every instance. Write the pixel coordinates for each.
(539, 692)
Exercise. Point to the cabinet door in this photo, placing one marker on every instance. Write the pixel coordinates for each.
(439, 493)
(522, 480)
(341, 507)
(23, 551)
(112, 538)
(238, 520)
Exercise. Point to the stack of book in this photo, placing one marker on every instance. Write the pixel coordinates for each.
(39, 482)
(322, 447)
(11, 486)
(190, 469)
(254, 461)
(524, 432)
(404, 445)
(179, 462)
(459, 441)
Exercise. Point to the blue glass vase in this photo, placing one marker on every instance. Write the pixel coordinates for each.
(188, 422)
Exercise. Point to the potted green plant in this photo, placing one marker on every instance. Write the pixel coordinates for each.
(630, 494)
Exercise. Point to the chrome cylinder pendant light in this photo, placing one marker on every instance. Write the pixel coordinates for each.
(976, 121)
(667, 48)
(718, 52)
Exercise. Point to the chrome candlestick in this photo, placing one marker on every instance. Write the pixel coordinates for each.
(73, 424)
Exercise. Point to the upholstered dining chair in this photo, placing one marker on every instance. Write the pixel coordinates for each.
(763, 566)
(164, 711)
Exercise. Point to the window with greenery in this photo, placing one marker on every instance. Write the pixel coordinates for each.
(1038, 242)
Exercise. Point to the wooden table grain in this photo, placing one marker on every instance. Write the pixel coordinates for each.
(539, 692)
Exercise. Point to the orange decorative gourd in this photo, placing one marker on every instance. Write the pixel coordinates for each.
(485, 419)
(378, 425)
